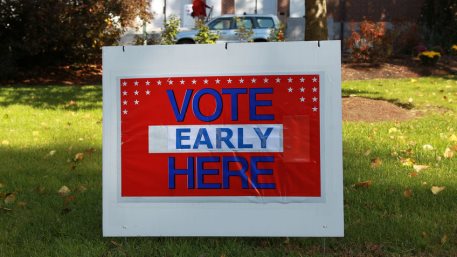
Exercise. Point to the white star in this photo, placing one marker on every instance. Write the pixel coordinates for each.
(218, 81)
(170, 82)
(182, 81)
(229, 81)
(253, 80)
(278, 80)
(314, 79)
(124, 93)
(136, 102)
(315, 109)
(148, 92)
(136, 92)
(159, 83)
(289, 80)
(125, 102)
(290, 89)
(241, 81)
(265, 80)
(302, 99)
(205, 81)
(125, 112)
(194, 82)
(302, 89)
(314, 99)
(124, 83)
(302, 79)
(148, 83)
(314, 89)
(136, 83)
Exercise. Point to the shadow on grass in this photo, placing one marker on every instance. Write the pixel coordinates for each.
(379, 220)
(52, 97)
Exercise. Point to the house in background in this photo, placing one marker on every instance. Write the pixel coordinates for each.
(342, 14)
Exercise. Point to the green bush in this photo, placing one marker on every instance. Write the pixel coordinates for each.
(204, 35)
(170, 31)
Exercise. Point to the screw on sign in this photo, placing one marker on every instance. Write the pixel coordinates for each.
(250, 135)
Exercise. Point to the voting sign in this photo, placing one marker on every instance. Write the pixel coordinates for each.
(219, 135)
(197, 143)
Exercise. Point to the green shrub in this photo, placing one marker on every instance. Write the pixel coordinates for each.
(204, 35)
(170, 31)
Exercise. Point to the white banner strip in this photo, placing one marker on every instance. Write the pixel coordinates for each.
(216, 138)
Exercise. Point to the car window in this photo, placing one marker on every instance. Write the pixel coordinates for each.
(265, 22)
(221, 24)
(246, 21)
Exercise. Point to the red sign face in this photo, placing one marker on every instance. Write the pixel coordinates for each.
(250, 135)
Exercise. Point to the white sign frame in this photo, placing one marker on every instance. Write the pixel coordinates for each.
(212, 218)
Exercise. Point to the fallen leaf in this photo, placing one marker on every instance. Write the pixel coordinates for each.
(419, 168)
(40, 189)
(424, 234)
(5, 142)
(82, 189)
(410, 100)
(408, 151)
(408, 193)
(365, 184)
(367, 152)
(407, 161)
(71, 103)
(454, 148)
(436, 189)
(413, 80)
(444, 239)
(448, 153)
(22, 204)
(427, 147)
(79, 157)
(10, 198)
(51, 153)
(413, 174)
(376, 162)
(90, 150)
(453, 138)
(64, 191)
(35, 133)
(393, 130)
(68, 200)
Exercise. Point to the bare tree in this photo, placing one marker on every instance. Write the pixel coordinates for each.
(316, 20)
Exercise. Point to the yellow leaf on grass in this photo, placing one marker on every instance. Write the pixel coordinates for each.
(448, 153)
(427, 147)
(51, 153)
(79, 157)
(10, 198)
(436, 189)
(408, 193)
(453, 138)
(444, 239)
(420, 168)
(64, 191)
(407, 161)
(376, 162)
(5, 142)
(367, 152)
(393, 130)
(365, 184)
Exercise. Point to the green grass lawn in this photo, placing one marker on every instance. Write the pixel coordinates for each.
(50, 137)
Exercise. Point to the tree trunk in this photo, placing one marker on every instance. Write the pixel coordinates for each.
(316, 20)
